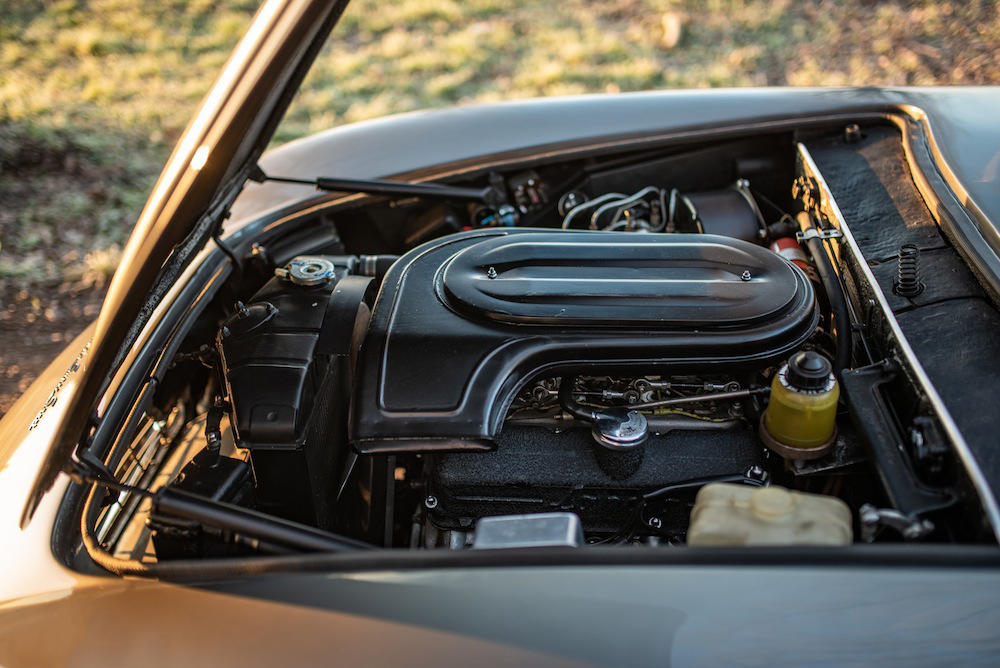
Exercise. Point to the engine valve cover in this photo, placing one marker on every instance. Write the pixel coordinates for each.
(462, 322)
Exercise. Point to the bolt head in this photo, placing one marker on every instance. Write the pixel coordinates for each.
(868, 514)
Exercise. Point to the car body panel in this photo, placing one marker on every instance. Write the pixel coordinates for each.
(26, 556)
(639, 616)
(413, 144)
(961, 121)
(950, 135)
(931, 615)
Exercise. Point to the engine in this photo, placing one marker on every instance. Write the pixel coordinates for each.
(472, 338)
(525, 371)
(463, 324)
(672, 374)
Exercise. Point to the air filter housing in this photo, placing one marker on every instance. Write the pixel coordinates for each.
(462, 322)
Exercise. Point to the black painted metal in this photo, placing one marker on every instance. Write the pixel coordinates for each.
(446, 351)
(621, 280)
(380, 187)
(287, 373)
(863, 389)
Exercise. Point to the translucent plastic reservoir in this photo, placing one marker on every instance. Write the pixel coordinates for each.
(727, 514)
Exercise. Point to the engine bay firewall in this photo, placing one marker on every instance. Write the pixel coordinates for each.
(463, 322)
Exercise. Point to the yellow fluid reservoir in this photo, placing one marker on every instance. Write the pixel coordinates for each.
(800, 419)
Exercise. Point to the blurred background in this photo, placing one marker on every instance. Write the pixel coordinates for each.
(94, 93)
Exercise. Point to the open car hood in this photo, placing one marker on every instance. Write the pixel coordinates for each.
(192, 196)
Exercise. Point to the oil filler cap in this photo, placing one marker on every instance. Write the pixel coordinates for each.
(808, 370)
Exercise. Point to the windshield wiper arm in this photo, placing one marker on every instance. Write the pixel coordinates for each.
(492, 195)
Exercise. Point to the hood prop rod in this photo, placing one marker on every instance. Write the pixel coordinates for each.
(254, 527)
(491, 195)
(243, 525)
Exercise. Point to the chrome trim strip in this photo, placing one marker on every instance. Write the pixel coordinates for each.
(968, 460)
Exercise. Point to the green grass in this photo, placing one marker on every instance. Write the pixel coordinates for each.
(93, 94)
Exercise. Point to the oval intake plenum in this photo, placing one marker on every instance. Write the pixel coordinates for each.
(657, 280)
(463, 321)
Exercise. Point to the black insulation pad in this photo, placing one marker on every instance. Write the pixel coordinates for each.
(951, 326)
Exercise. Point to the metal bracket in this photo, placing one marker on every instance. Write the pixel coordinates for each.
(85, 467)
(909, 526)
(814, 233)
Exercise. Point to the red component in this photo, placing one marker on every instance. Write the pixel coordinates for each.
(789, 248)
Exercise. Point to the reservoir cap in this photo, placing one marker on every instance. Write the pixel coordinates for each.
(808, 370)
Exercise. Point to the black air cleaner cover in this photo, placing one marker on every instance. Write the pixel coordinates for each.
(462, 322)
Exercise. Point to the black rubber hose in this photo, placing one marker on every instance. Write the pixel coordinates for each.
(697, 483)
(579, 411)
(838, 300)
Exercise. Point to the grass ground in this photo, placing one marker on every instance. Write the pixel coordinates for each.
(94, 92)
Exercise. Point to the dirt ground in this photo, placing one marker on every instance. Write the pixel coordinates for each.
(35, 326)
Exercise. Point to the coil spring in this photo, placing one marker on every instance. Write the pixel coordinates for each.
(908, 274)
